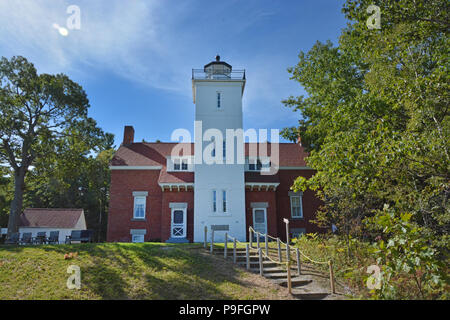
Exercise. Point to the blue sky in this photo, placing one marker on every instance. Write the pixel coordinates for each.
(134, 58)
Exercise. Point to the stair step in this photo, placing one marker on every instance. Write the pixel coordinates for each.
(296, 281)
(256, 259)
(304, 294)
(279, 275)
(273, 270)
(255, 264)
(230, 254)
(229, 249)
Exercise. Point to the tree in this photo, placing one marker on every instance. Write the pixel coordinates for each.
(376, 118)
(38, 113)
(73, 179)
(5, 192)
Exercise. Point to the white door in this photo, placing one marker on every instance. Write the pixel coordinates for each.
(178, 229)
(260, 220)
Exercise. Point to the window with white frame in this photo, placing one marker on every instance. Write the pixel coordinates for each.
(214, 206)
(180, 164)
(224, 200)
(176, 164)
(139, 207)
(137, 238)
(296, 206)
(184, 164)
(254, 165)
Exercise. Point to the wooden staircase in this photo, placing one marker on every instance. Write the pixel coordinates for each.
(303, 286)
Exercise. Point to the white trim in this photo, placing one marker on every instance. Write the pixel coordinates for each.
(135, 167)
(134, 205)
(265, 218)
(170, 163)
(183, 225)
(178, 186)
(178, 205)
(300, 197)
(270, 184)
(138, 231)
(140, 193)
(259, 204)
(265, 186)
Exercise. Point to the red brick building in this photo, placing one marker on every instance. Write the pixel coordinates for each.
(141, 166)
(159, 193)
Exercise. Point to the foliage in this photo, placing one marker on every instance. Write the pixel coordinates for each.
(405, 252)
(349, 269)
(43, 118)
(73, 180)
(376, 120)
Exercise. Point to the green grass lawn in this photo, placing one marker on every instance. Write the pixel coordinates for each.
(127, 271)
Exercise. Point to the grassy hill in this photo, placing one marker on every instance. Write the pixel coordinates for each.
(127, 271)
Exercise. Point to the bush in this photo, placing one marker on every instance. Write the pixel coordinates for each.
(410, 266)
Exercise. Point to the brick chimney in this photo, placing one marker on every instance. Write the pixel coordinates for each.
(128, 135)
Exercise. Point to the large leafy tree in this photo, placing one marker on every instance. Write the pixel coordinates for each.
(41, 116)
(5, 195)
(376, 117)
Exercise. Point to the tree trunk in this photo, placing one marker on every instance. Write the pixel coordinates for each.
(17, 202)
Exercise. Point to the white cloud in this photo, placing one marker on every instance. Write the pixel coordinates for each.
(155, 43)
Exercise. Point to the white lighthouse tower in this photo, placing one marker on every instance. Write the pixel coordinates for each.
(219, 188)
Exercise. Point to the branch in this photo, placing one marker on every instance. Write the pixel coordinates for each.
(11, 157)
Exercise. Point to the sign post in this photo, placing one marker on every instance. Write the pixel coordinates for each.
(288, 251)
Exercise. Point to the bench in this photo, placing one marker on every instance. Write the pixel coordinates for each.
(54, 237)
(26, 238)
(82, 236)
(40, 238)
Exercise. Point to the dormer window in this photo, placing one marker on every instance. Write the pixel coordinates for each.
(257, 165)
(180, 164)
(254, 165)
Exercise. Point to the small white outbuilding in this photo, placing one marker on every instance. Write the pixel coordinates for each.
(36, 220)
